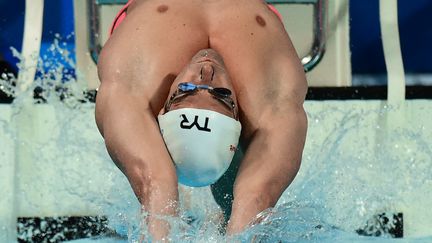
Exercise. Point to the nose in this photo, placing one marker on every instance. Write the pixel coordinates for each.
(207, 72)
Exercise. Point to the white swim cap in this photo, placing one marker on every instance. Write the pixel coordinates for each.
(201, 143)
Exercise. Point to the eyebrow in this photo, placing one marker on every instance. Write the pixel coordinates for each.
(228, 109)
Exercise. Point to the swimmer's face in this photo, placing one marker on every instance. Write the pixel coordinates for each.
(205, 68)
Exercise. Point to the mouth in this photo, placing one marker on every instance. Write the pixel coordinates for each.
(208, 55)
(208, 60)
(205, 60)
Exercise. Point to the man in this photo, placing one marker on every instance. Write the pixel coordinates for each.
(240, 46)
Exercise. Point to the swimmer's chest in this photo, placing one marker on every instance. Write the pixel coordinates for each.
(239, 30)
(210, 16)
(242, 30)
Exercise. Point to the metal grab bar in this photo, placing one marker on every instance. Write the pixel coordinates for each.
(95, 45)
(318, 48)
(309, 61)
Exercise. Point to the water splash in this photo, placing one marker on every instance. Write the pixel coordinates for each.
(361, 168)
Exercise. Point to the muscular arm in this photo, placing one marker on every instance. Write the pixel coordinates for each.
(134, 143)
(276, 125)
(269, 166)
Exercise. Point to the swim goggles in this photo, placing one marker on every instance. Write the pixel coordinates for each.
(219, 93)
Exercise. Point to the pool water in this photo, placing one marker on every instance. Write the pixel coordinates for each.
(347, 180)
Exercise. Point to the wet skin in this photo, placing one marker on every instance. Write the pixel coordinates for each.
(160, 44)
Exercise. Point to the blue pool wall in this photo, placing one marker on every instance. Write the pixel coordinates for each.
(365, 40)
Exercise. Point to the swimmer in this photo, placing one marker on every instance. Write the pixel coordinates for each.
(188, 85)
